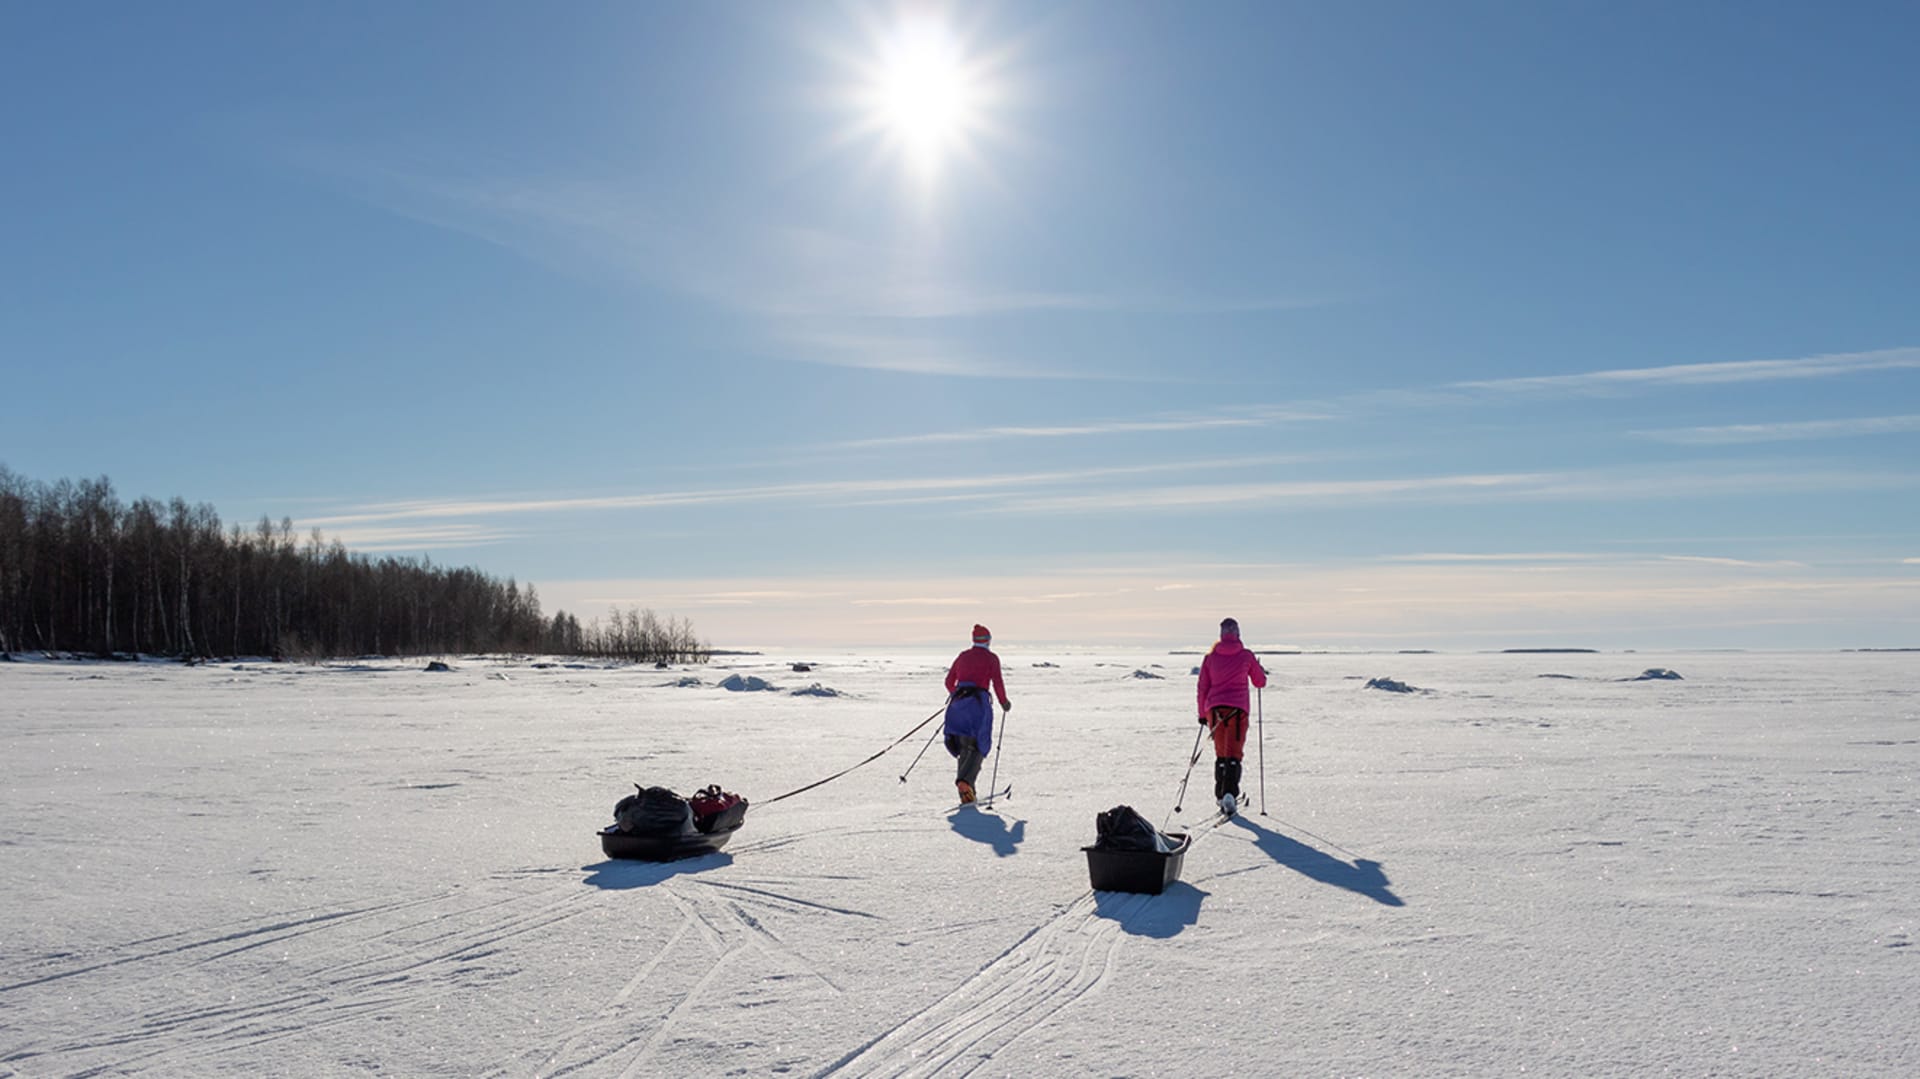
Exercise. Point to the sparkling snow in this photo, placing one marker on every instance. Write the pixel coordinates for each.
(259, 868)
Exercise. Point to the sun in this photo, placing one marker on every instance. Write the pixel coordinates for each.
(930, 90)
(922, 94)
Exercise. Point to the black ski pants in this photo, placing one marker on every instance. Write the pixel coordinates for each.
(966, 752)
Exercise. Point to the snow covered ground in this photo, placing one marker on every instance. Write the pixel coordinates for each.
(254, 868)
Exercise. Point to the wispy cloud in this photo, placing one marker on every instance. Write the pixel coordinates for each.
(1063, 597)
(921, 601)
(924, 355)
(1703, 374)
(829, 492)
(1251, 494)
(1598, 485)
(1512, 556)
(847, 489)
(817, 292)
(1707, 560)
(939, 359)
(1571, 557)
(419, 538)
(828, 273)
(1785, 432)
(593, 230)
(1084, 430)
(768, 593)
(440, 523)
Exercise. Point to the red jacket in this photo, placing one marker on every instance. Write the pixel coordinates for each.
(981, 667)
(1224, 675)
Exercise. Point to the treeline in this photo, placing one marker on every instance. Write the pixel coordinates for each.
(83, 572)
(639, 636)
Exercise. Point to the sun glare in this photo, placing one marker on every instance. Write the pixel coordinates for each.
(921, 93)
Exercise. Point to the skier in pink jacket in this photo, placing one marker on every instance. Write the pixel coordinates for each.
(1223, 698)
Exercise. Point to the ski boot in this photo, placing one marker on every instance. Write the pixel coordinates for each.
(1226, 784)
(966, 791)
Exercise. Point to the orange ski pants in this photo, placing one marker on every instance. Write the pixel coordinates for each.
(1229, 727)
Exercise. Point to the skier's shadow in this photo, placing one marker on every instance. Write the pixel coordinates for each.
(1160, 916)
(991, 829)
(1362, 875)
(616, 874)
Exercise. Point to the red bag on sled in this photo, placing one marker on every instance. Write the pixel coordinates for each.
(715, 810)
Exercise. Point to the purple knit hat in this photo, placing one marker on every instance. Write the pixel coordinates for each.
(1229, 630)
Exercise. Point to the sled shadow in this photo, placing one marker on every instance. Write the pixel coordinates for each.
(991, 829)
(1362, 876)
(1159, 916)
(616, 874)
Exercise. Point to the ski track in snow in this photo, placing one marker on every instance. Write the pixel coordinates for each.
(720, 935)
(1047, 971)
(359, 965)
(352, 966)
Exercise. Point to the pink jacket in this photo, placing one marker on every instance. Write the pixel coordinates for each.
(1224, 675)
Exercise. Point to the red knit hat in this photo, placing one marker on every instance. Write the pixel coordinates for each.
(981, 636)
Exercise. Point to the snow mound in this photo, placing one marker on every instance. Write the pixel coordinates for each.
(802, 668)
(1195, 672)
(684, 682)
(748, 684)
(816, 690)
(436, 665)
(1391, 686)
(1149, 674)
(1656, 674)
(1045, 664)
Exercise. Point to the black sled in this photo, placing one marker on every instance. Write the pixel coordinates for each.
(656, 825)
(1130, 855)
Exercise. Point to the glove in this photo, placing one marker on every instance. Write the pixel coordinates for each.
(1006, 706)
(1203, 721)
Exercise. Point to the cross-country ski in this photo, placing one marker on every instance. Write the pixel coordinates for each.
(984, 801)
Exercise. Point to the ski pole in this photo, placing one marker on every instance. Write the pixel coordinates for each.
(922, 753)
(1260, 709)
(1195, 759)
(993, 780)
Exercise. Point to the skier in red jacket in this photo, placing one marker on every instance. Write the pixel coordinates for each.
(969, 726)
(1223, 697)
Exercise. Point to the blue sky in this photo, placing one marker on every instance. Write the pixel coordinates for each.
(1376, 326)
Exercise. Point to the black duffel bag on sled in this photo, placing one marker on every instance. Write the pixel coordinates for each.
(1130, 855)
(655, 824)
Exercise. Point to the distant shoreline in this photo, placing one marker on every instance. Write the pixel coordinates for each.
(1548, 651)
